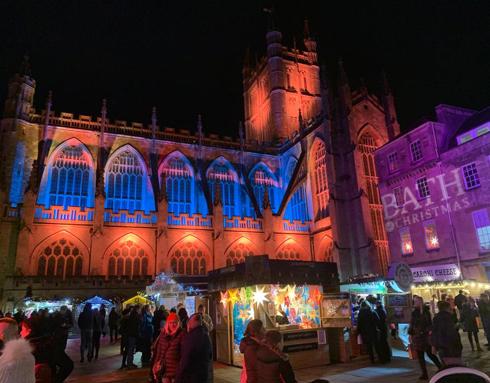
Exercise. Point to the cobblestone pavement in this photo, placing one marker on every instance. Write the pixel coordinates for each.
(400, 370)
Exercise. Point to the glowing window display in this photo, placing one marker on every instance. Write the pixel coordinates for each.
(290, 306)
(431, 239)
(406, 241)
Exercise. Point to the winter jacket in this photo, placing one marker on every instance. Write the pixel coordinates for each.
(17, 362)
(468, 318)
(113, 318)
(167, 354)
(249, 348)
(86, 320)
(273, 367)
(460, 300)
(445, 337)
(484, 309)
(98, 325)
(420, 327)
(367, 325)
(146, 329)
(132, 326)
(196, 355)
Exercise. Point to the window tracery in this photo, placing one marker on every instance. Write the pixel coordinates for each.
(188, 259)
(179, 185)
(221, 173)
(60, 259)
(320, 178)
(129, 259)
(238, 253)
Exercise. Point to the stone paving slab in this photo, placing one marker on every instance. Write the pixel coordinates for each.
(359, 370)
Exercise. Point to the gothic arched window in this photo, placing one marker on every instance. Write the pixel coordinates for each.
(129, 259)
(289, 251)
(262, 179)
(60, 259)
(237, 254)
(221, 172)
(69, 177)
(320, 180)
(126, 182)
(179, 184)
(297, 208)
(188, 259)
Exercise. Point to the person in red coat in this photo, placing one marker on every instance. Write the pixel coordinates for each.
(249, 345)
(167, 351)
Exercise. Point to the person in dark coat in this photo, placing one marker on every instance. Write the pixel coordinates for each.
(132, 333)
(183, 317)
(97, 333)
(159, 318)
(445, 339)
(196, 353)
(113, 323)
(167, 350)
(469, 313)
(86, 326)
(484, 309)
(273, 365)
(146, 335)
(419, 331)
(249, 346)
(460, 300)
(123, 330)
(63, 365)
(382, 347)
(367, 327)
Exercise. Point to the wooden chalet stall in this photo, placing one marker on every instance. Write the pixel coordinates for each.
(288, 296)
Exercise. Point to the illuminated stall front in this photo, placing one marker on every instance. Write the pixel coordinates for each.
(286, 296)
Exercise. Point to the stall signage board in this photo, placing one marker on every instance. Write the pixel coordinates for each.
(300, 347)
(336, 310)
(289, 336)
(398, 308)
(449, 272)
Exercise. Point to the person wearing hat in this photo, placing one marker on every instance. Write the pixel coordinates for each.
(167, 350)
(16, 360)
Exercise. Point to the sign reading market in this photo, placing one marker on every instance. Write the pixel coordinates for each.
(443, 273)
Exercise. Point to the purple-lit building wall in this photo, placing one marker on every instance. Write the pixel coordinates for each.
(435, 188)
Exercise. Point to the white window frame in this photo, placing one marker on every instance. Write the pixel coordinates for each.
(471, 176)
(426, 187)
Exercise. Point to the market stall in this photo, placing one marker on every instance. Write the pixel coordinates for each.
(170, 290)
(96, 302)
(137, 300)
(28, 306)
(286, 296)
(437, 281)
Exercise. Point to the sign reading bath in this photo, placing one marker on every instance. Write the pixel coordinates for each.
(449, 272)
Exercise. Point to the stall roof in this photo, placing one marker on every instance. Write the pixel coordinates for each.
(260, 269)
(137, 300)
(96, 300)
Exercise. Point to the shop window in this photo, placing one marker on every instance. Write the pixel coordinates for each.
(406, 241)
(188, 259)
(416, 150)
(60, 259)
(128, 259)
(430, 234)
(471, 177)
(423, 187)
(482, 227)
(393, 162)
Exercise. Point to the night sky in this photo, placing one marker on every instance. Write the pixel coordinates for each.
(185, 57)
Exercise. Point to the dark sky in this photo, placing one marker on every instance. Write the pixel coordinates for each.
(185, 57)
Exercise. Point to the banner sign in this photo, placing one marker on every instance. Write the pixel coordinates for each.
(449, 272)
(336, 310)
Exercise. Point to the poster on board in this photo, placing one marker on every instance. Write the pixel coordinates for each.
(336, 310)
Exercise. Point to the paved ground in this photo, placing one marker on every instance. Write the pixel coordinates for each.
(400, 370)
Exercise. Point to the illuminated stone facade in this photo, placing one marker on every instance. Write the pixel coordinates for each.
(109, 202)
(434, 183)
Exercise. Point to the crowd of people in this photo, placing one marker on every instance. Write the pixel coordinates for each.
(33, 349)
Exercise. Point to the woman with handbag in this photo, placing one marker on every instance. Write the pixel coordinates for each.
(419, 332)
(167, 351)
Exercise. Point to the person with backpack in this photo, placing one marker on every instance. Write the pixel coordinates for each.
(273, 365)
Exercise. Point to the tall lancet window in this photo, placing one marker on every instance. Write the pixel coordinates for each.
(126, 182)
(221, 172)
(297, 208)
(262, 179)
(178, 175)
(320, 180)
(68, 178)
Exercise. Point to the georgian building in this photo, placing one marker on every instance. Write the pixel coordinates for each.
(434, 183)
(98, 204)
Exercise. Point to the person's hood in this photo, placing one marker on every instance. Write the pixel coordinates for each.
(266, 355)
(17, 362)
